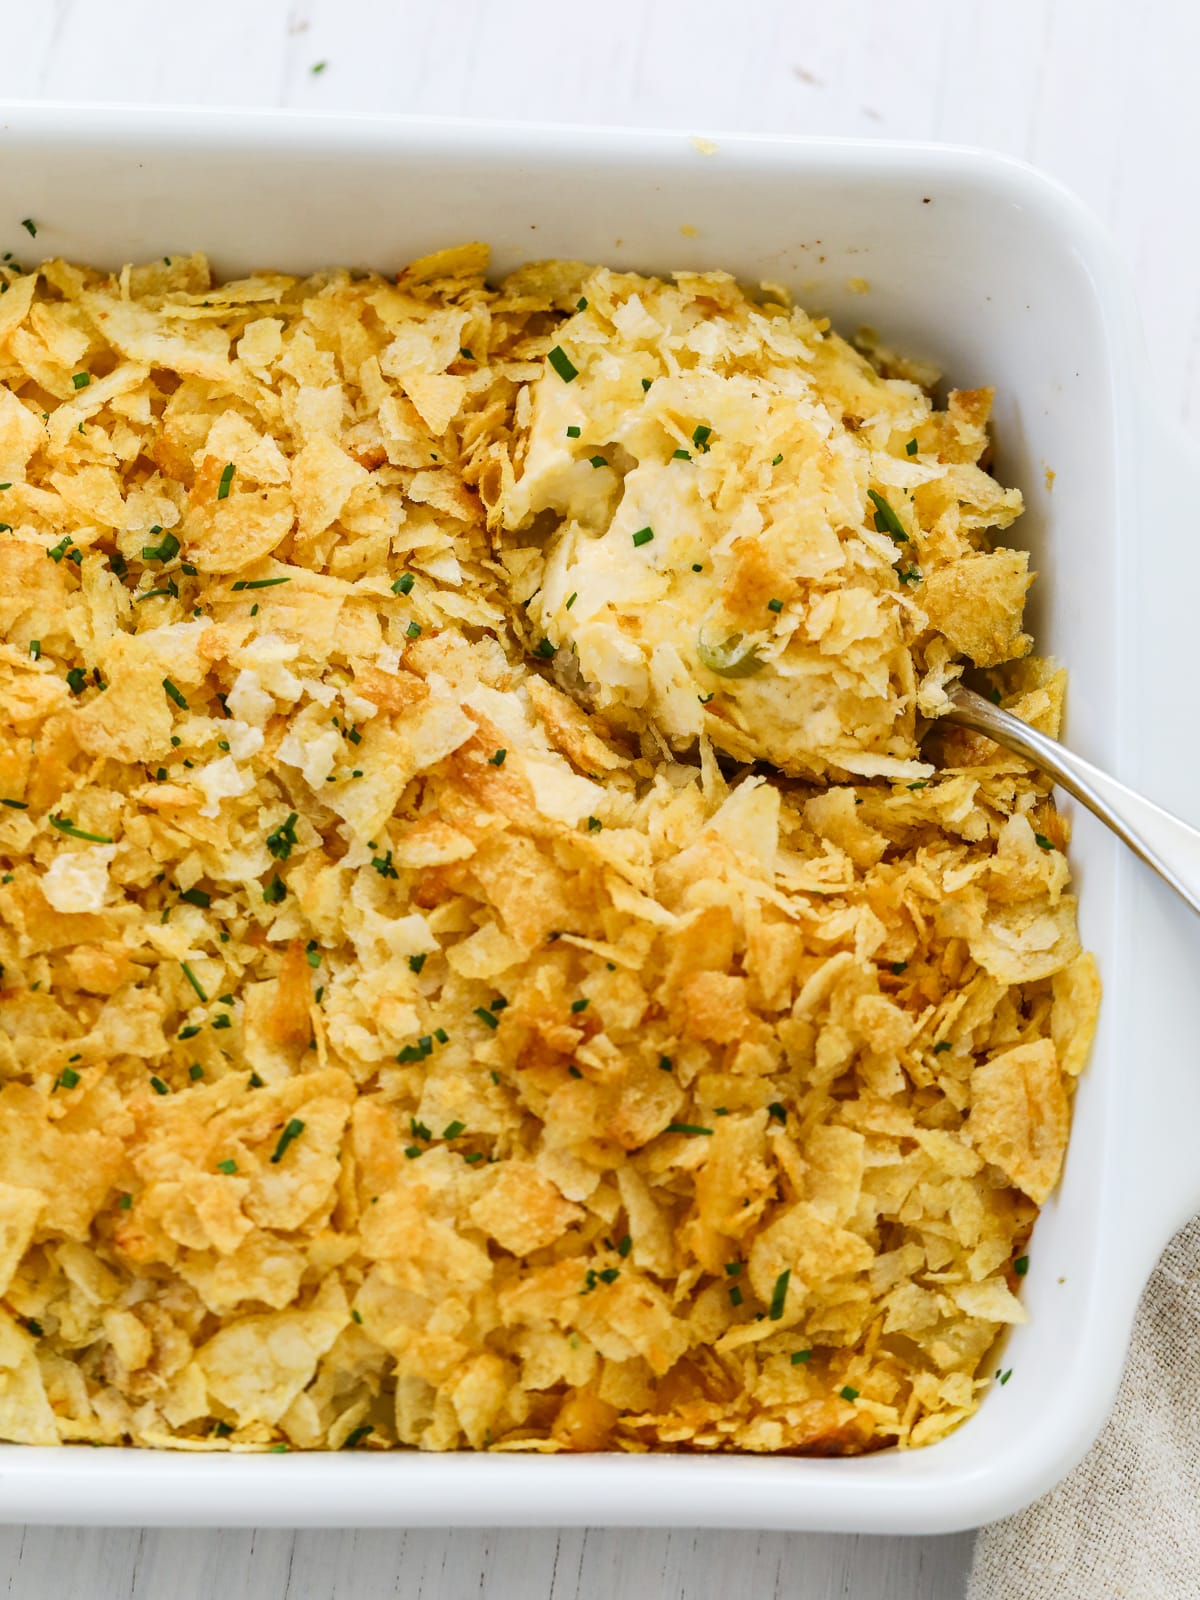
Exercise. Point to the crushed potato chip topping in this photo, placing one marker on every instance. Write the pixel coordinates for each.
(395, 1052)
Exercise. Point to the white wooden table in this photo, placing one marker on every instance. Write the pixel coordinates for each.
(1098, 92)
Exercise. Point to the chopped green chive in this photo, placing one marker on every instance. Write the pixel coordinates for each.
(487, 1017)
(688, 1127)
(125, 1202)
(383, 866)
(257, 583)
(897, 967)
(159, 1086)
(643, 536)
(580, 1005)
(700, 436)
(561, 363)
(544, 649)
(681, 455)
(733, 1269)
(174, 694)
(196, 897)
(356, 1436)
(404, 584)
(1021, 1266)
(801, 1358)
(65, 825)
(165, 551)
(848, 1393)
(57, 551)
(886, 520)
(275, 891)
(498, 759)
(625, 1246)
(911, 447)
(775, 460)
(34, 1327)
(581, 304)
(735, 1296)
(779, 1295)
(193, 980)
(35, 649)
(467, 355)
(1005, 1376)
(646, 382)
(16, 805)
(30, 227)
(222, 1021)
(777, 1111)
(282, 840)
(316, 69)
(921, 783)
(413, 631)
(356, 1316)
(594, 824)
(775, 605)
(190, 1031)
(441, 1036)
(572, 600)
(81, 379)
(415, 963)
(911, 575)
(942, 1045)
(68, 1077)
(228, 1166)
(412, 1151)
(1042, 842)
(452, 1130)
(195, 1072)
(598, 461)
(573, 432)
(293, 1131)
(665, 1064)
(171, 589)
(226, 480)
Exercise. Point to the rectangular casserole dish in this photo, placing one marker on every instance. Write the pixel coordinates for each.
(999, 276)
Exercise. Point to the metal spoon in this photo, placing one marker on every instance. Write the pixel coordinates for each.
(1171, 847)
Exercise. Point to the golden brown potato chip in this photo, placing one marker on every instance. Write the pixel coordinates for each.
(1019, 1116)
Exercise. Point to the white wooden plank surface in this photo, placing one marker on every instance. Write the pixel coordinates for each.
(1098, 92)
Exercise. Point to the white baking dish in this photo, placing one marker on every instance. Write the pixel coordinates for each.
(1002, 278)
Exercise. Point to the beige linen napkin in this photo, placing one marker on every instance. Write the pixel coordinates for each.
(1126, 1523)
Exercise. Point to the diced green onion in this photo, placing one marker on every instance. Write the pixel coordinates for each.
(561, 363)
(293, 1131)
(779, 1295)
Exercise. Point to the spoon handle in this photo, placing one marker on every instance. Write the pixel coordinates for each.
(1162, 841)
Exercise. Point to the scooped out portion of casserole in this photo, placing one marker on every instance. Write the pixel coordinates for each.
(486, 962)
(750, 533)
